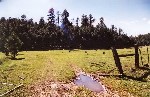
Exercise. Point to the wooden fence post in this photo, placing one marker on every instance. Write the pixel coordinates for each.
(117, 60)
(147, 56)
(136, 56)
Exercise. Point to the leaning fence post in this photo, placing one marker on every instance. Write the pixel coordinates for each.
(136, 56)
(117, 60)
(147, 55)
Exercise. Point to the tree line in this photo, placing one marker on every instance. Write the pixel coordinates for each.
(25, 34)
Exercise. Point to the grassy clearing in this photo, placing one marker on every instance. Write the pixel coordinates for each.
(35, 66)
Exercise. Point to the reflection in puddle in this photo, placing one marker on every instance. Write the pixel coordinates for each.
(90, 83)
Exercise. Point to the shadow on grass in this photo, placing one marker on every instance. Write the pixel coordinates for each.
(144, 68)
(141, 78)
(124, 76)
(16, 58)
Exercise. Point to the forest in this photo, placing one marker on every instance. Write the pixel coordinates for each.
(24, 34)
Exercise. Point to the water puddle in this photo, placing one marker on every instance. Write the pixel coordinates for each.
(90, 83)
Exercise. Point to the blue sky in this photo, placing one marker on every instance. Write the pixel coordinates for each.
(132, 16)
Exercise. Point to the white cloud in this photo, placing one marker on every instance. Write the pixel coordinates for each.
(135, 27)
(124, 22)
(148, 21)
(133, 22)
(144, 19)
(129, 22)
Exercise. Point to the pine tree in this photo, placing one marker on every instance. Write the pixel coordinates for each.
(13, 44)
(91, 20)
(51, 16)
(84, 21)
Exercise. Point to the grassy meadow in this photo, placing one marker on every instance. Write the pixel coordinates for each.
(36, 66)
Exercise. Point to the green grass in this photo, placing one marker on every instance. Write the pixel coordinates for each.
(55, 65)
